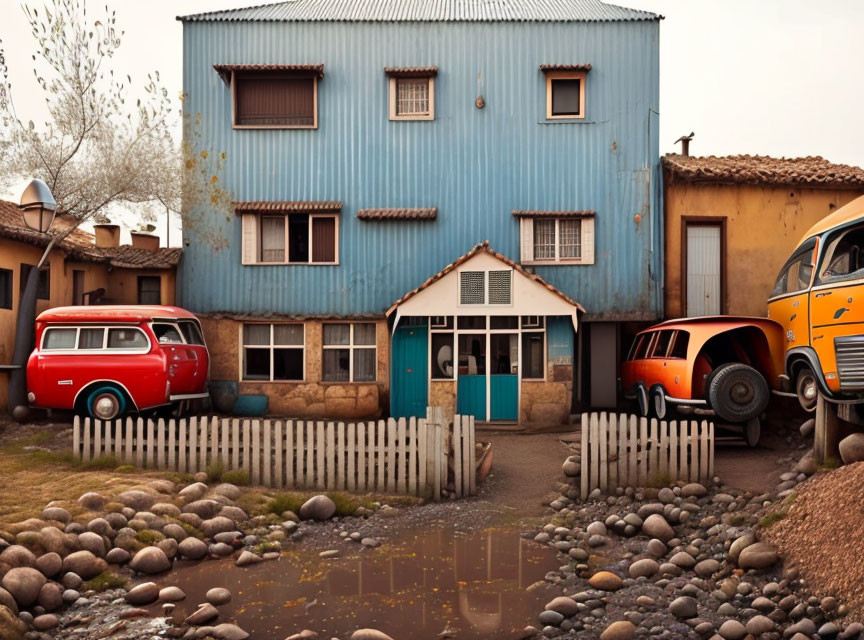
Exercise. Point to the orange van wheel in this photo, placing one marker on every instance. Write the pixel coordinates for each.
(807, 389)
(642, 401)
(658, 401)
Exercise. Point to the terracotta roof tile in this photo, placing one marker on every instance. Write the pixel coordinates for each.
(565, 67)
(568, 213)
(288, 206)
(224, 70)
(421, 213)
(484, 247)
(411, 72)
(79, 244)
(811, 171)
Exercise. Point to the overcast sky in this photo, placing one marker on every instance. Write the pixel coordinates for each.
(772, 77)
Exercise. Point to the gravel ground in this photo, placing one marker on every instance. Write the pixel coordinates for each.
(823, 534)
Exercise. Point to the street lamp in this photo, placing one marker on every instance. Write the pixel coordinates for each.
(38, 206)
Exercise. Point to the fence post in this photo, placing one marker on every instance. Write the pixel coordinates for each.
(583, 480)
(97, 438)
(622, 450)
(267, 461)
(391, 455)
(412, 456)
(280, 444)
(226, 434)
(436, 462)
(613, 451)
(151, 443)
(289, 453)
(106, 443)
(172, 449)
(603, 435)
(76, 437)
(309, 474)
(160, 444)
(352, 444)
(214, 440)
(594, 442)
(682, 451)
(362, 462)
(202, 444)
(710, 451)
(664, 449)
(400, 459)
(340, 456)
(472, 446)
(330, 456)
(130, 441)
(181, 446)
(256, 452)
(457, 455)
(235, 444)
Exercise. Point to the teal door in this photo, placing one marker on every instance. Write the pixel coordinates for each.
(471, 388)
(504, 376)
(409, 390)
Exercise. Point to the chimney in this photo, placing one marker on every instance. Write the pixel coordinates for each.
(107, 235)
(145, 241)
(685, 143)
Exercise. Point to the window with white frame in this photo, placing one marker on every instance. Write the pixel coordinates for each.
(486, 287)
(411, 93)
(551, 240)
(273, 352)
(349, 353)
(565, 95)
(298, 238)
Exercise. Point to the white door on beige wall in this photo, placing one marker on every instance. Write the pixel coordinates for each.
(703, 270)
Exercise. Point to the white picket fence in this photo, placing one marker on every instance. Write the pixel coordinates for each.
(620, 450)
(413, 456)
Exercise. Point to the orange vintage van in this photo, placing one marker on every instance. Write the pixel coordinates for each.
(819, 301)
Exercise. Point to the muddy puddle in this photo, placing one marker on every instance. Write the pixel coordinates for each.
(475, 585)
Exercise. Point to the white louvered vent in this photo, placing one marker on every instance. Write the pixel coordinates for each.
(499, 287)
(471, 287)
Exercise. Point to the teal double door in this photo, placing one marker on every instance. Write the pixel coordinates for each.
(488, 368)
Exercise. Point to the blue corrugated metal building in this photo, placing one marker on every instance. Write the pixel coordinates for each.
(369, 144)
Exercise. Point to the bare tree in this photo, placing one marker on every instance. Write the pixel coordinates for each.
(100, 145)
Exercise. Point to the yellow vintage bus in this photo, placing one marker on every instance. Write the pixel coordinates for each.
(819, 301)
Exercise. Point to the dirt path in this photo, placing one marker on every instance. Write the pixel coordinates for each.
(525, 469)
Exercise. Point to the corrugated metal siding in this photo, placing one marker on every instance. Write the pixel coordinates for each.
(428, 11)
(475, 166)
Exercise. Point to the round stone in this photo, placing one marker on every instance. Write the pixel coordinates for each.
(683, 607)
(150, 560)
(143, 593)
(732, 630)
(656, 526)
(57, 513)
(759, 624)
(17, 556)
(218, 596)
(550, 618)
(45, 622)
(192, 548)
(23, 584)
(606, 581)
(92, 542)
(852, 448)
(49, 564)
(644, 568)
(707, 568)
(693, 490)
(318, 508)
(92, 501)
(563, 605)
(51, 596)
(621, 630)
(757, 556)
(369, 634)
(171, 594)
(214, 526)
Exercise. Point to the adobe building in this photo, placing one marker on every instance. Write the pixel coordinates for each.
(732, 221)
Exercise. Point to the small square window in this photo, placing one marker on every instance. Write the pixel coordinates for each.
(557, 240)
(412, 97)
(565, 94)
(500, 290)
(472, 289)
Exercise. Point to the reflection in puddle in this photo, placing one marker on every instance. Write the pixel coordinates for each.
(474, 585)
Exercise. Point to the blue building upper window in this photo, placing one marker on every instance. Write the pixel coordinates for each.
(565, 90)
(411, 92)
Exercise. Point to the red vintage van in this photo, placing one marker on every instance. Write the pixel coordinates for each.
(105, 361)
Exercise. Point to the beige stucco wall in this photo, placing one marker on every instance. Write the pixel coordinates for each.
(120, 284)
(764, 224)
(312, 398)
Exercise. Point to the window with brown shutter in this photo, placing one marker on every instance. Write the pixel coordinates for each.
(323, 239)
(275, 100)
(297, 238)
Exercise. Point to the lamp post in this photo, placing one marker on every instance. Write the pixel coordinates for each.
(38, 207)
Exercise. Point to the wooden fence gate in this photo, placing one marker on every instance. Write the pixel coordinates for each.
(413, 457)
(620, 450)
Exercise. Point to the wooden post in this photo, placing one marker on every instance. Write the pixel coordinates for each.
(181, 446)
(694, 451)
(214, 441)
(247, 453)
(235, 444)
(584, 460)
(674, 428)
(472, 446)
(683, 472)
(279, 446)
(664, 449)
(594, 447)
(412, 456)
(710, 451)
(202, 444)
(160, 444)
(467, 455)
(643, 451)
(330, 451)
(130, 441)
(97, 438)
(226, 434)
(391, 455)
(703, 453)
(379, 458)
(172, 444)
(118, 439)
(320, 449)
(653, 450)
(289, 454)
(361, 456)
(436, 462)
(299, 440)
(256, 452)
(193, 444)
(267, 461)
(613, 450)
(106, 443)
(603, 442)
(422, 462)
(400, 452)
(76, 437)
(151, 443)
(350, 478)
(310, 454)
(623, 481)
(85, 455)
(826, 434)
(340, 456)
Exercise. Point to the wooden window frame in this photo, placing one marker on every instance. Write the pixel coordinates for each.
(7, 296)
(260, 216)
(586, 242)
(271, 347)
(138, 282)
(314, 124)
(351, 347)
(393, 97)
(703, 221)
(566, 75)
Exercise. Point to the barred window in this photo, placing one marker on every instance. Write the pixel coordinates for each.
(571, 238)
(412, 96)
(544, 239)
(472, 287)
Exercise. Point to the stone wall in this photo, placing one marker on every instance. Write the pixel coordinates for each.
(312, 398)
(442, 393)
(548, 403)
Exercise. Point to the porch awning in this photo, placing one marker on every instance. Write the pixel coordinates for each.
(531, 294)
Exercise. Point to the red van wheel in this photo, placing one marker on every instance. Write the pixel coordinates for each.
(105, 403)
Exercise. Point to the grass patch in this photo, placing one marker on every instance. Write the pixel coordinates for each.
(179, 478)
(737, 520)
(266, 547)
(347, 504)
(282, 502)
(660, 480)
(215, 472)
(105, 581)
(125, 468)
(830, 463)
(791, 499)
(39, 439)
(772, 518)
(239, 478)
(149, 537)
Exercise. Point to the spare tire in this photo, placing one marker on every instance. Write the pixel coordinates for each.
(737, 392)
